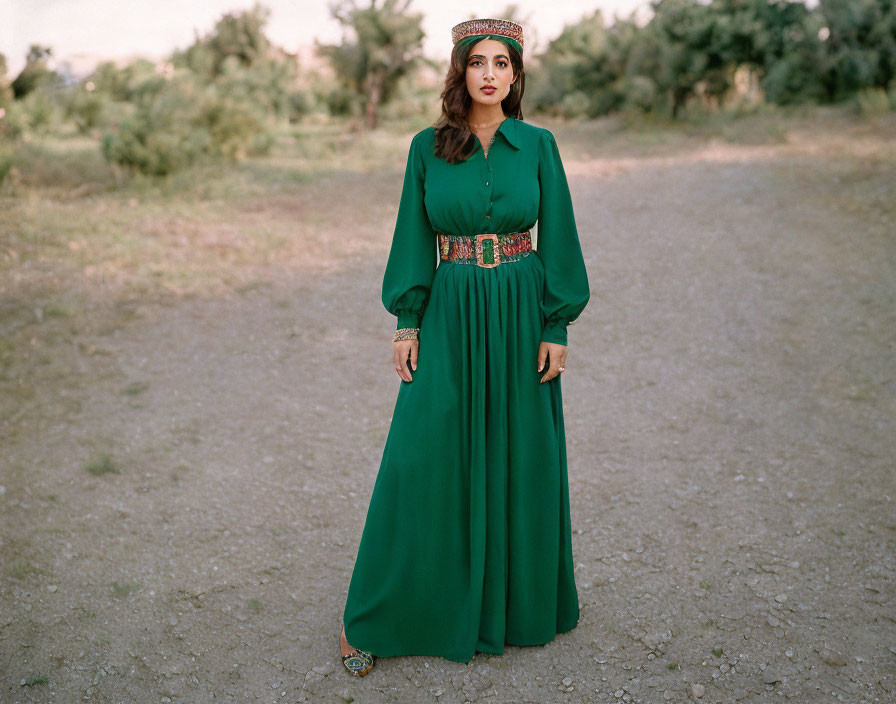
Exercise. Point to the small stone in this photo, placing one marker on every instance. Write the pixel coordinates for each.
(698, 690)
(773, 622)
(724, 667)
(567, 681)
(618, 693)
(832, 658)
(667, 695)
(789, 653)
(781, 598)
(51, 587)
(770, 676)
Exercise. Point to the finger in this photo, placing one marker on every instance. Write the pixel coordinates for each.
(405, 372)
(542, 356)
(553, 371)
(398, 359)
(415, 346)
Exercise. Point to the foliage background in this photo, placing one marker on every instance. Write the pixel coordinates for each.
(232, 92)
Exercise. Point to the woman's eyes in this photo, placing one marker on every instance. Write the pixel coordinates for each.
(502, 64)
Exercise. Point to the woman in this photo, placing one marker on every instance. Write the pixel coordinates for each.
(467, 543)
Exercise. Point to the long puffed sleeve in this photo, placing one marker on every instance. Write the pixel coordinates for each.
(566, 290)
(412, 259)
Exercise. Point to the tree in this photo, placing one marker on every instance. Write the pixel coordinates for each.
(36, 73)
(860, 46)
(237, 37)
(387, 45)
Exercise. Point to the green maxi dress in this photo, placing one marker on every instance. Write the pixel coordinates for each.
(467, 543)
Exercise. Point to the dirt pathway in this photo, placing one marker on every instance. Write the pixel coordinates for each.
(730, 406)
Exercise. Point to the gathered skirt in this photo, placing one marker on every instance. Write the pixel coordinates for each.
(467, 544)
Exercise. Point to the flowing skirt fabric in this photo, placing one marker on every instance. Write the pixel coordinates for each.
(466, 545)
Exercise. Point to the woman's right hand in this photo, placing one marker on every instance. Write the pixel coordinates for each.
(401, 352)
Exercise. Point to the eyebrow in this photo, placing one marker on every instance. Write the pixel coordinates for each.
(482, 56)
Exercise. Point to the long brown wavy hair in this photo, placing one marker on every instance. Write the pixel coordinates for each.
(454, 139)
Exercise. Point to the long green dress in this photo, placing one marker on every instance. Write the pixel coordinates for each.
(466, 545)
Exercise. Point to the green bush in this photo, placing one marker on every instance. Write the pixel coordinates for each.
(12, 124)
(39, 112)
(84, 108)
(873, 101)
(5, 162)
(575, 104)
(177, 122)
(641, 93)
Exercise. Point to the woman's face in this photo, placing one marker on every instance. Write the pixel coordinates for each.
(489, 73)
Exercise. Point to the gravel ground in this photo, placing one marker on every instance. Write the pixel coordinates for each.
(184, 484)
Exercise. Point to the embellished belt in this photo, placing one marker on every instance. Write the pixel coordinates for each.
(487, 250)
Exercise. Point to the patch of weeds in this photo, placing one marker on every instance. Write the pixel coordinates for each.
(57, 310)
(178, 472)
(135, 389)
(35, 679)
(709, 624)
(704, 584)
(673, 666)
(86, 611)
(21, 568)
(251, 286)
(347, 699)
(122, 590)
(101, 464)
(255, 604)
(862, 393)
(717, 652)
(102, 640)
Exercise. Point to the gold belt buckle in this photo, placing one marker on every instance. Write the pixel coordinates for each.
(488, 250)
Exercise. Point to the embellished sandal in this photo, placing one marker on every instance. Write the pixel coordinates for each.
(358, 662)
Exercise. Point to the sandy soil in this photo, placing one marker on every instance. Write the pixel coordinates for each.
(730, 403)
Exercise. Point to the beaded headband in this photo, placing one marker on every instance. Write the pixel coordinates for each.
(503, 30)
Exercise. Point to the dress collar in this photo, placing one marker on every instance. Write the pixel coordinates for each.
(508, 129)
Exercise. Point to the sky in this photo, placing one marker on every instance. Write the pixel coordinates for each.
(115, 28)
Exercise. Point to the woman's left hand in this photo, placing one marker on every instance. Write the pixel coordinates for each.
(555, 356)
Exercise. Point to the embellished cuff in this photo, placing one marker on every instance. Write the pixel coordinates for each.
(405, 334)
(555, 331)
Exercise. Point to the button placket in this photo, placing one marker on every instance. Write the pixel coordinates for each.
(488, 183)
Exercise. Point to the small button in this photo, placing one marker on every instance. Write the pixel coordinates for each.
(486, 183)
(488, 217)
